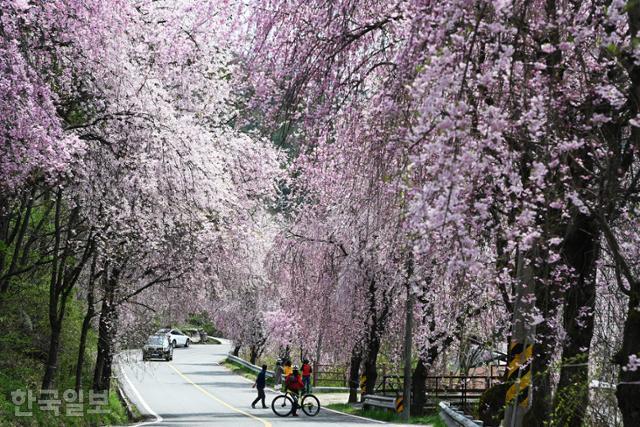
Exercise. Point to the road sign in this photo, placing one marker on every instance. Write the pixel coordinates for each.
(399, 404)
(519, 374)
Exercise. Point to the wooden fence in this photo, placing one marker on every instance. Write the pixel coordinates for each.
(460, 390)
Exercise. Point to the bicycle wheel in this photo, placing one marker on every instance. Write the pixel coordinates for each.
(310, 405)
(282, 405)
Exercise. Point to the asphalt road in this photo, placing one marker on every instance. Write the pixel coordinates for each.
(194, 390)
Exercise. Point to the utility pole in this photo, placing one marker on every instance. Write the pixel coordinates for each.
(520, 355)
(408, 335)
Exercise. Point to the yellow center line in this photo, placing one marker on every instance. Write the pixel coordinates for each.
(222, 402)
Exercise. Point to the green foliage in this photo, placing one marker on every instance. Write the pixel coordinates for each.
(568, 400)
(24, 344)
(202, 320)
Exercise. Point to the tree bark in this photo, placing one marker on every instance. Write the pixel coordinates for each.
(418, 388)
(106, 330)
(86, 324)
(370, 362)
(54, 320)
(52, 357)
(408, 344)
(236, 350)
(580, 250)
(354, 374)
(628, 388)
(547, 301)
(18, 234)
(253, 354)
(375, 326)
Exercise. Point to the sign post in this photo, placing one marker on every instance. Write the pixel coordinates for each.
(519, 369)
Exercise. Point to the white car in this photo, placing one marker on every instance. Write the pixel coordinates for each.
(176, 337)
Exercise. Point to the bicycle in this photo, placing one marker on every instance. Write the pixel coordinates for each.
(282, 405)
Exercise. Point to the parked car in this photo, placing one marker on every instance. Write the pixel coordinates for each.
(176, 337)
(157, 347)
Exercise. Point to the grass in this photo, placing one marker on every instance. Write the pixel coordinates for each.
(388, 416)
(23, 317)
(316, 391)
(111, 413)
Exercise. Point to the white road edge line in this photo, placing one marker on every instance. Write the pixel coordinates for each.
(354, 416)
(142, 402)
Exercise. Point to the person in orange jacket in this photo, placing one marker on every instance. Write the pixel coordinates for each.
(287, 368)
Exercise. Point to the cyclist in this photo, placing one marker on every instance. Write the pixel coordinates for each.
(293, 384)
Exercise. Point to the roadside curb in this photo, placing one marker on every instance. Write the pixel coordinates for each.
(127, 404)
(136, 416)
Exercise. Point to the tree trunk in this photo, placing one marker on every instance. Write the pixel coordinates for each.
(580, 250)
(354, 374)
(52, 357)
(5, 217)
(628, 389)
(375, 327)
(408, 344)
(106, 329)
(541, 405)
(236, 350)
(418, 389)
(102, 372)
(55, 321)
(15, 237)
(253, 354)
(370, 361)
(316, 360)
(86, 324)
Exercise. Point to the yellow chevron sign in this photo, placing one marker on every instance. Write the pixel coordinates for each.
(519, 373)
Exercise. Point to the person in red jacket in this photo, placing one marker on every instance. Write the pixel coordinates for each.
(306, 375)
(294, 384)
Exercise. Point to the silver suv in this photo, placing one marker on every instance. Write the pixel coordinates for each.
(157, 347)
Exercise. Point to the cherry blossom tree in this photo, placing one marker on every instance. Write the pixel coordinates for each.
(509, 125)
(137, 99)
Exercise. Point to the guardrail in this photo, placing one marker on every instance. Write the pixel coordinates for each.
(385, 402)
(248, 365)
(453, 417)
